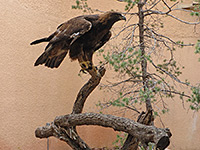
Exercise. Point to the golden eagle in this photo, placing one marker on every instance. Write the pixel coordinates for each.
(81, 36)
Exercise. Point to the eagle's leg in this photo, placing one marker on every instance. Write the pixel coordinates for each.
(85, 61)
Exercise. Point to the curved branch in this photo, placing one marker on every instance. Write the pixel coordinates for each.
(142, 132)
(86, 90)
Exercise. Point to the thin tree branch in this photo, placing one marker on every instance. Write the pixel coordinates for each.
(175, 92)
(169, 39)
(167, 13)
(131, 79)
(169, 74)
(123, 30)
(186, 22)
(132, 109)
(154, 5)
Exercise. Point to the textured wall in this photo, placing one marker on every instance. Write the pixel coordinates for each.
(31, 96)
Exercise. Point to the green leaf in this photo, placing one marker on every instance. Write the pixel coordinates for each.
(196, 13)
(123, 64)
(77, 2)
(155, 113)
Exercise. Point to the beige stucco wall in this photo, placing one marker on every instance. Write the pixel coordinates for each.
(32, 96)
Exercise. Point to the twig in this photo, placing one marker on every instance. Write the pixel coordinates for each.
(167, 13)
(132, 109)
(160, 35)
(173, 77)
(123, 30)
(186, 22)
(154, 5)
(175, 92)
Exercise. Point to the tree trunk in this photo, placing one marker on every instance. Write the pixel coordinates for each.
(131, 142)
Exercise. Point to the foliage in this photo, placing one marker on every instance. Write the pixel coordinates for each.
(197, 48)
(130, 4)
(120, 138)
(195, 98)
(83, 5)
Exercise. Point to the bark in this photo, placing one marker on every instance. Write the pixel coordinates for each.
(74, 139)
(142, 132)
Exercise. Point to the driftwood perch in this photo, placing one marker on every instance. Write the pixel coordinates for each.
(142, 132)
(64, 127)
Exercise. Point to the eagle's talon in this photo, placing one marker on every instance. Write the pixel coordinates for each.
(83, 71)
(89, 67)
(85, 65)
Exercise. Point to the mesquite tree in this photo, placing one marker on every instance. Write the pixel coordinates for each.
(145, 79)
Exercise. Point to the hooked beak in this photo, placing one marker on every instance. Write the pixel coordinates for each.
(123, 17)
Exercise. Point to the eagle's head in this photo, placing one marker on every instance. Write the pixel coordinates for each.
(115, 16)
(111, 17)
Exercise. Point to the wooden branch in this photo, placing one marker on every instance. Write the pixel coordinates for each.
(141, 132)
(124, 28)
(86, 90)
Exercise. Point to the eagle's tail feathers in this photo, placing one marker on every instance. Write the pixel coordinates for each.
(47, 63)
(53, 62)
(41, 60)
(59, 59)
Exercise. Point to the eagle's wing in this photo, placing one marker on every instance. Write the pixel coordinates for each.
(103, 40)
(60, 41)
